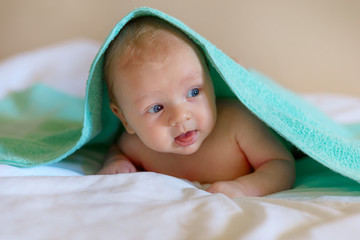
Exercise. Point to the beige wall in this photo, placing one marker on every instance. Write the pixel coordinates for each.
(306, 45)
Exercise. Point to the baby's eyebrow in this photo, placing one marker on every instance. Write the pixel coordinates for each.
(194, 75)
(141, 98)
(189, 78)
(144, 99)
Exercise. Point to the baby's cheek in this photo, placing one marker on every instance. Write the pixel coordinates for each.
(206, 120)
(157, 140)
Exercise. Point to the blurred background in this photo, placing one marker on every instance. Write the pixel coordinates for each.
(307, 46)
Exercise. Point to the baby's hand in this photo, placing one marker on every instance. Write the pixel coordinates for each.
(231, 189)
(117, 166)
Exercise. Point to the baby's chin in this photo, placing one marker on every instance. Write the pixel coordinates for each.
(176, 149)
(188, 150)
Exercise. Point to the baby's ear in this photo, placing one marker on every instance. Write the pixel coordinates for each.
(117, 111)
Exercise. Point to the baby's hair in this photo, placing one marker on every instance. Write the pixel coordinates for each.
(143, 37)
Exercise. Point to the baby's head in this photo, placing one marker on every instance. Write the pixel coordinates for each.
(160, 87)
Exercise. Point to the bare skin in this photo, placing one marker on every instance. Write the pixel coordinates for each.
(177, 128)
(239, 159)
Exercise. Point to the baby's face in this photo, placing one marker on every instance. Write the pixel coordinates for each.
(167, 101)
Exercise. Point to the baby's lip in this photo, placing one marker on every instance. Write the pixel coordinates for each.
(187, 138)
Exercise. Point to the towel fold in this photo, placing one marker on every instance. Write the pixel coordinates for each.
(38, 125)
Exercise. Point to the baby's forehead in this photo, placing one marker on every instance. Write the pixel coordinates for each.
(155, 47)
(137, 55)
(151, 45)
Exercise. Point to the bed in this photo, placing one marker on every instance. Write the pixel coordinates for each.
(65, 200)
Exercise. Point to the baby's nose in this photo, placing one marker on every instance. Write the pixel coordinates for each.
(178, 116)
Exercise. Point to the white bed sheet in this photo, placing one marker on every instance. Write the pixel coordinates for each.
(63, 201)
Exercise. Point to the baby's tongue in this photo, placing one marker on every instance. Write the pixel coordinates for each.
(185, 136)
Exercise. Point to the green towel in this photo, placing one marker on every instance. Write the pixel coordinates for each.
(290, 116)
(38, 126)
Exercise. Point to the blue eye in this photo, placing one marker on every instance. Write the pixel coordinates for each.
(155, 109)
(193, 92)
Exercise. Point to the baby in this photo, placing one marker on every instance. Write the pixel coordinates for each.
(161, 90)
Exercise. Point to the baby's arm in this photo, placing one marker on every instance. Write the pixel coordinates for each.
(273, 176)
(273, 164)
(116, 162)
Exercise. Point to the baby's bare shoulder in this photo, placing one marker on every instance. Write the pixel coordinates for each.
(234, 111)
(126, 140)
(252, 134)
(131, 145)
(239, 120)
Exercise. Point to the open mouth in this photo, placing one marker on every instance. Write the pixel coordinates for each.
(186, 139)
